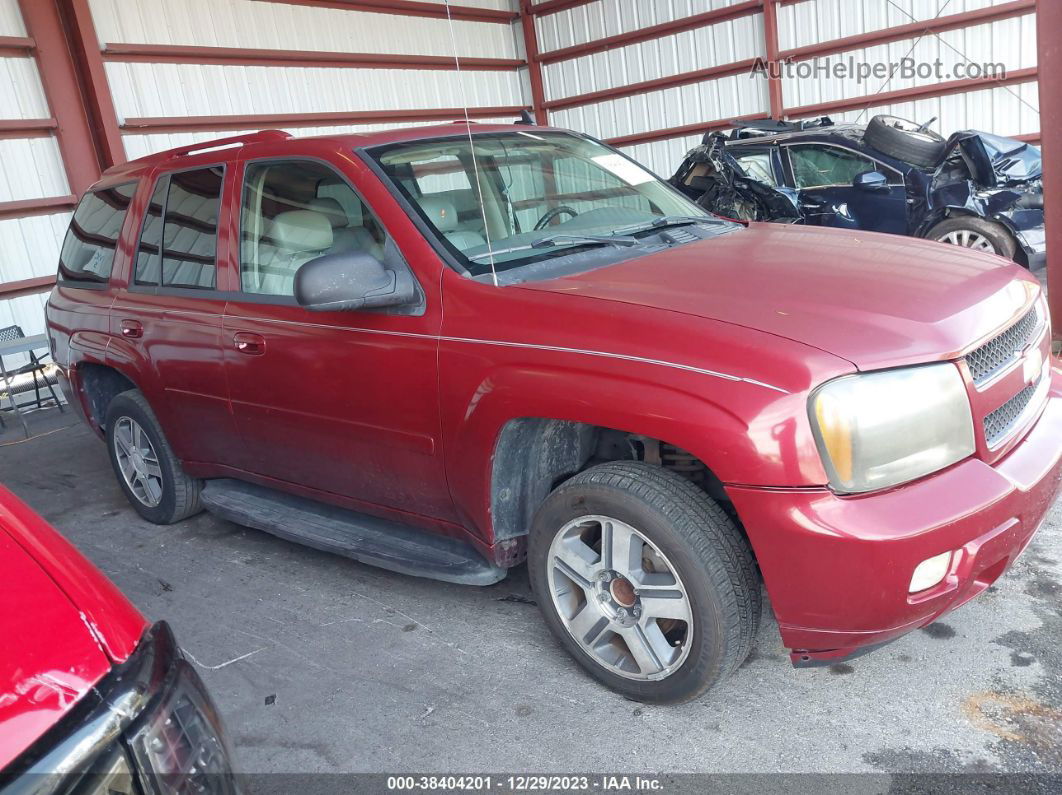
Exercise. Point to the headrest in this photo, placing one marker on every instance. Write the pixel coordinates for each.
(301, 230)
(331, 209)
(440, 211)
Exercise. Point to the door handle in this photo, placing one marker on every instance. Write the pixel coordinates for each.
(248, 343)
(132, 328)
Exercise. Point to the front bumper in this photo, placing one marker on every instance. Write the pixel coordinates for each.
(147, 727)
(837, 569)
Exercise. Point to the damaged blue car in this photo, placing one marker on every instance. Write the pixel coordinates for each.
(972, 189)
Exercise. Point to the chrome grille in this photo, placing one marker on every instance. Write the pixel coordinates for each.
(1000, 422)
(1004, 349)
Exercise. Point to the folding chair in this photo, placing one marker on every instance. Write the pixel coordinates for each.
(36, 365)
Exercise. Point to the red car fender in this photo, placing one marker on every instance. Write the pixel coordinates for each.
(112, 619)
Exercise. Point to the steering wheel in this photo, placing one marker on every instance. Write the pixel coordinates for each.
(551, 214)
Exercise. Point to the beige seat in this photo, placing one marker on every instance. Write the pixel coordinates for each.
(295, 238)
(348, 234)
(442, 212)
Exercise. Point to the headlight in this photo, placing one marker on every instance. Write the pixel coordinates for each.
(179, 749)
(877, 430)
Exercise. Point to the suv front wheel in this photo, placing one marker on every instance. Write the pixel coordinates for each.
(645, 581)
(147, 470)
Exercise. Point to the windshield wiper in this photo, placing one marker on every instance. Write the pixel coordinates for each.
(669, 220)
(553, 240)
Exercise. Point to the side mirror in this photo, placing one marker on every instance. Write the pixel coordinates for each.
(871, 181)
(351, 280)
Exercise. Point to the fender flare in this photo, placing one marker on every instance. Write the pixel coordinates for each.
(502, 414)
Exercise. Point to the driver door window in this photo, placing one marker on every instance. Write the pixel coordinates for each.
(823, 166)
(757, 166)
(293, 212)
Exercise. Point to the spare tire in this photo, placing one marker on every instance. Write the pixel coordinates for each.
(905, 141)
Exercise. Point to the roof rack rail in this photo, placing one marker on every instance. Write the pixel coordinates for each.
(251, 138)
(759, 127)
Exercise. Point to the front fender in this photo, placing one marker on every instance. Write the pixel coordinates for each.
(744, 432)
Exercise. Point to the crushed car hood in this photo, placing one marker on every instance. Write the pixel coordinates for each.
(876, 300)
(997, 161)
(49, 658)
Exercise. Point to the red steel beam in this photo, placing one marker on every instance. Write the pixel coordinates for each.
(409, 8)
(774, 81)
(16, 46)
(59, 77)
(1048, 24)
(27, 128)
(685, 78)
(534, 68)
(169, 124)
(85, 46)
(653, 32)
(964, 19)
(27, 207)
(16, 289)
(918, 92)
(555, 6)
(677, 132)
(239, 56)
(1029, 138)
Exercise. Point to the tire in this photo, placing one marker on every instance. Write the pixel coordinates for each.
(707, 561)
(901, 139)
(177, 495)
(975, 233)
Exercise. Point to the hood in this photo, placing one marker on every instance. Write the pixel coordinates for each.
(997, 161)
(55, 647)
(876, 300)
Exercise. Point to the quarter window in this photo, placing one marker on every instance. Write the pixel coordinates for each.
(88, 250)
(296, 211)
(821, 166)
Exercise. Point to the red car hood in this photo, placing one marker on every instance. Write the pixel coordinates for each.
(52, 651)
(876, 300)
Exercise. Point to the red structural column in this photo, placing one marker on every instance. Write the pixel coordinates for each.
(774, 84)
(85, 47)
(59, 77)
(534, 68)
(1048, 25)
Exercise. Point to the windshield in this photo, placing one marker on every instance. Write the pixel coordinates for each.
(544, 195)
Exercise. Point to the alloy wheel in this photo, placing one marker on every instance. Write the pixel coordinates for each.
(138, 461)
(620, 598)
(968, 238)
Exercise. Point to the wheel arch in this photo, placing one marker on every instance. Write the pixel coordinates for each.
(98, 384)
(534, 455)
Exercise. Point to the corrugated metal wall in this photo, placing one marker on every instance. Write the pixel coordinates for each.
(1010, 110)
(153, 90)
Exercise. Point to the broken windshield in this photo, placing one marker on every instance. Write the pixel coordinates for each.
(530, 196)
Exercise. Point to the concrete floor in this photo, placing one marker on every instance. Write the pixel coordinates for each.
(322, 664)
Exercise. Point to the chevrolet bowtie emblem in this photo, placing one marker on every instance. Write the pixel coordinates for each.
(1033, 364)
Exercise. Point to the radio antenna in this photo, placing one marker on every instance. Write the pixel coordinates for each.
(471, 145)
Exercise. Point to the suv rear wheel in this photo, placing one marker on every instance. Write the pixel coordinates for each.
(645, 581)
(147, 470)
(975, 233)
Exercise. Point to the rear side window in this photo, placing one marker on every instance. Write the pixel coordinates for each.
(178, 241)
(88, 251)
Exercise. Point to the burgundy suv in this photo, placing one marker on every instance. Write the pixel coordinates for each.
(444, 350)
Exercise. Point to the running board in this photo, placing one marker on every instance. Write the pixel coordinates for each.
(376, 542)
